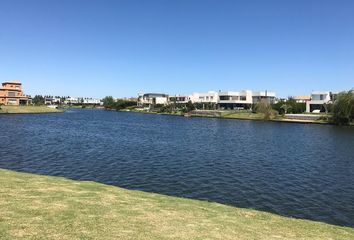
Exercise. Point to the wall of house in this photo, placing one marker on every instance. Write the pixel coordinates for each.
(209, 97)
(10, 93)
(317, 101)
(161, 100)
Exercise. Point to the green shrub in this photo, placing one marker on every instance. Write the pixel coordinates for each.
(38, 100)
(289, 106)
(343, 108)
(165, 109)
(110, 103)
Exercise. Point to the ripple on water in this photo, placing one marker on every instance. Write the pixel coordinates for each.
(296, 170)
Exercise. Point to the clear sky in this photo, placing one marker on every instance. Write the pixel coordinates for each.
(120, 48)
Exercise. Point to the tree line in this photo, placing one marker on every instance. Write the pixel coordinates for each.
(110, 103)
(40, 100)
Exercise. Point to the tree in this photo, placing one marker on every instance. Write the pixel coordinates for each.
(108, 102)
(286, 107)
(38, 100)
(122, 104)
(292, 106)
(189, 106)
(165, 109)
(266, 109)
(343, 108)
(328, 107)
(295, 106)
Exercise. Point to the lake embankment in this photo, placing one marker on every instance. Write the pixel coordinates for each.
(27, 109)
(44, 207)
(248, 115)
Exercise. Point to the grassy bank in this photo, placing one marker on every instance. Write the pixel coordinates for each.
(243, 115)
(28, 109)
(42, 207)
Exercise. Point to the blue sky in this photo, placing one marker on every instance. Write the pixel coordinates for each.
(119, 48)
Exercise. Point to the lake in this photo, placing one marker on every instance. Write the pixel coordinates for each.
(296, 170)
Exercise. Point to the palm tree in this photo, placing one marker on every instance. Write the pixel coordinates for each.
(285, 107)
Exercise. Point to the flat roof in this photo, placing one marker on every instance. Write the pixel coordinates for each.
(155, 95)
(320, 92)
(12, 82)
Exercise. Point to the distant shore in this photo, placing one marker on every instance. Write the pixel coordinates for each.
(239, 115)
(28, 109)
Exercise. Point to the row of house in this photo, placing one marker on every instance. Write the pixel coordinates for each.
(49, 100)
(316, 102)
(11, 93)
(222, 100)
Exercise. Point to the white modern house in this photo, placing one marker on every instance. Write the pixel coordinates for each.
(233, 100)
(82, 100)
(52, 100)
(208, 97)
(178, 99)
(90, 101)
(149, 99)
(318, 101)
(71, 100)
(266, 95)
(222, 100)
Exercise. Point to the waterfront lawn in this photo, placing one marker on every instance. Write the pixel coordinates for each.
(42, 207)
(242, 115)
(27, 109)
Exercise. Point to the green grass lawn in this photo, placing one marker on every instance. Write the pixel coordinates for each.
(27, 109)
(42, 207)
(242, 115)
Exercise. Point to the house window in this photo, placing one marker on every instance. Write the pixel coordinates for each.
(243, 98)
(224, 97)
(12, 102)
(12, 94)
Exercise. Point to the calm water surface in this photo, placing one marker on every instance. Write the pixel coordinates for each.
(296, 170)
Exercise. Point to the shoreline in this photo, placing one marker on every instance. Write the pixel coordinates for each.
(5, 110)
(280, 120)
(10, 110)
(71, 209)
